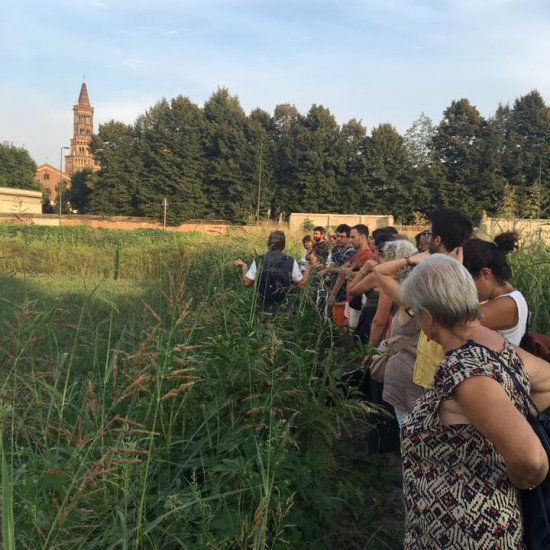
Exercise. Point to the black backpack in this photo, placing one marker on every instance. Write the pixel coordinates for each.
(275, 277)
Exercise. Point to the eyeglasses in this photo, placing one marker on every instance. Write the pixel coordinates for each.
(427, 234)
(410, 312)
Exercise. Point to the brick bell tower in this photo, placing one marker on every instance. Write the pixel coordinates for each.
(83, 127)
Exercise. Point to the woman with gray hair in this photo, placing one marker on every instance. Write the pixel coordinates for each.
(466, 446)
(399, 389)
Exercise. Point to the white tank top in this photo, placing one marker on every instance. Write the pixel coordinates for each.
(515, 334)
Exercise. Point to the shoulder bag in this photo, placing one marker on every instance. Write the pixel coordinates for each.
(376, 364)
(535, 503)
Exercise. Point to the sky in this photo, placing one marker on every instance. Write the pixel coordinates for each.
(373, 60)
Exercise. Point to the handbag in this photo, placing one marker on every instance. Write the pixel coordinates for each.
(376, 364)
(535, 503)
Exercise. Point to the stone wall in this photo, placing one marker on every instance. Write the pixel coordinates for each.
(297, 219)
(17, 202)
(489, 227)
(526, 229)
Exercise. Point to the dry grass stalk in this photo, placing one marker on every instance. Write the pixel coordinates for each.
(92, 398)
(177, 391)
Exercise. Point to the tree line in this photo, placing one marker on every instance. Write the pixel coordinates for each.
(218, 162)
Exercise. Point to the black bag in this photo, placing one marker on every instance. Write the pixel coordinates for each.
(535, 503)
(383, 434)
(275, 277)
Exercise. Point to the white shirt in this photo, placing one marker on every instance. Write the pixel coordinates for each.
(296, 273)
(515, 334)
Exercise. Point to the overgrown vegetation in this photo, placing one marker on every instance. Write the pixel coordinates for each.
(157, 409)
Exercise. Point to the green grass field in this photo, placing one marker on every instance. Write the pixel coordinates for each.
(144, 403)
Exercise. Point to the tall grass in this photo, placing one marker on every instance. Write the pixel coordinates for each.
(146, 403)
(531, 275)
(181, 420)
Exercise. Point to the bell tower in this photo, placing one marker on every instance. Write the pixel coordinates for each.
(83, 127)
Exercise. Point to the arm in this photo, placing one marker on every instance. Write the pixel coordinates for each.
(361, 284)
(304, 280)
(385, 275)
(380, 320)
(334, 291)
(538, 371)
(500, 313)
(363, 273)
(244, 268)
(485, 404)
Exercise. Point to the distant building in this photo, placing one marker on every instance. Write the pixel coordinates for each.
(79, 157)
(48, 177)
(83, 128)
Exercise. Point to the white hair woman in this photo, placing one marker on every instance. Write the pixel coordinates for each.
(466, 446)
(399, 389)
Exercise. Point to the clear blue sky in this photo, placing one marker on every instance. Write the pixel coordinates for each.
(375, 60)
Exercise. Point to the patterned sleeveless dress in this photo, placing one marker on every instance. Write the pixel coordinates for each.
(457, 492)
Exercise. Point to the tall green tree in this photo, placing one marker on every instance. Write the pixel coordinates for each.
(418, 140)
(115, 187)
(508, 207)
(287, 127)
(317, 164)
(79, 194)
(388, 172)
(17, 168)
(231, 159)
(456, 146)
(260, 134)
(354, 193)
(170, 138)
(527, 142)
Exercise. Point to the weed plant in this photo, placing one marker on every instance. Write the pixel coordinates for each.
(531, 275)
(146, 403)
(168, 415)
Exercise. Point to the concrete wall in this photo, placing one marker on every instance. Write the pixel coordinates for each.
(526, 229)
(20, 201)
(372, 221)
(113, 222)
(11, 199)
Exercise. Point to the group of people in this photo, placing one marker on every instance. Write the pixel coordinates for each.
(447, 310)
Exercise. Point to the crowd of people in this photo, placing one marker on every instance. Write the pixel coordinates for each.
(454, 325)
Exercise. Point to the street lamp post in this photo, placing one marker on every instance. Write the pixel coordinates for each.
(59, 191)
(259, 183)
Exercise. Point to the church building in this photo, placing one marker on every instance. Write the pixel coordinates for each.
(79, 156)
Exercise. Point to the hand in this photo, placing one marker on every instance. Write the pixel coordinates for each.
(366, 360)
(239, 263)
(457, 254)
(368, 266)
(419, 258)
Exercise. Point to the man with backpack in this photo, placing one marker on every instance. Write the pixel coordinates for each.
(275, 273)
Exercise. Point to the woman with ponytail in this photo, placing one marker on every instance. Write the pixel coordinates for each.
(503, 307)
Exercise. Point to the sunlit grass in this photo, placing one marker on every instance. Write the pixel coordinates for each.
(158, 409)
